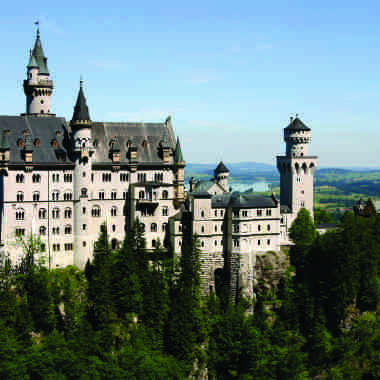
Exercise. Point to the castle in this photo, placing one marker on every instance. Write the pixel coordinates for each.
(61, 180)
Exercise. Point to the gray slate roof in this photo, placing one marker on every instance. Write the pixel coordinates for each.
(104, 133)
(45, 129)
(297, 125)
(242, 201)
(29, 128)
(221, 168)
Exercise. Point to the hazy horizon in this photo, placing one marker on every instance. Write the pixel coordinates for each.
(229, 74)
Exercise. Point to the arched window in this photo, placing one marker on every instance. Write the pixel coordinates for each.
(55, 213)
(164, 227)
(68, 196)
(113, 227)
(55, 195)
(142, 226)
(203, 229)
(123, 177)
(20, 214)
(55, 230)
(114, 243)
(95, 211)
(202, 243)
(42, 213)
(42, 230)
(20, 178)
(141, 194)
(153, 227)
(68, 230)
(36, 196)
(202, 214)
(154, 243)
(36, 178)
(83, 192)
(68, 213)
(113, 211)
(165, 211)
(20, 196)
(165, 194)
(268, 227)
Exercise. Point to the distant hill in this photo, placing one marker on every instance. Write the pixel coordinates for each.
(236, 168)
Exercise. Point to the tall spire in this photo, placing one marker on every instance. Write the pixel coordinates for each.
(38, 54)
(81, 114)
(178, 157)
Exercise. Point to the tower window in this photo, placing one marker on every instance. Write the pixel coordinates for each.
(83, 192)
(113, 211)
(20, 214)
(259, 212)
(95, 211)
(42, 230)
(153, 227)
(20, 196)
(42, 213)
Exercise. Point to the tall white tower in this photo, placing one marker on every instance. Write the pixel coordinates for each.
(82, 149)
(38, 87)
(297, 169)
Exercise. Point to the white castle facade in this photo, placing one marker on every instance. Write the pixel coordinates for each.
(61, 180)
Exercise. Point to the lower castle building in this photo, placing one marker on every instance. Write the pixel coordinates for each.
(62, 179)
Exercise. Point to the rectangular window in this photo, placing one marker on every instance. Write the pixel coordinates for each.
(259, 212)
(269, 212)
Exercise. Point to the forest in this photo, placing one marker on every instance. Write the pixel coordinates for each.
(133, 314)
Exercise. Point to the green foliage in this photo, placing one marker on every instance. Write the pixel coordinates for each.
(128, 315)
(322, 216)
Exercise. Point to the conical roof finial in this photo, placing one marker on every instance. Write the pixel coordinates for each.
(178, 157)
(81, 113)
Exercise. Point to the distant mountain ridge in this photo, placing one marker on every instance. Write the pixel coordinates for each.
(235, 168)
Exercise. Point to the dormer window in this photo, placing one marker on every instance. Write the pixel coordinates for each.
(37, 143)
(145, 143)
(54, 143)
(129, 143)
(20, 143)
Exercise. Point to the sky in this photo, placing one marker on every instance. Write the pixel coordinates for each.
(230, 73)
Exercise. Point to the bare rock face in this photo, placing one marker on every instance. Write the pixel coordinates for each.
(269, 269)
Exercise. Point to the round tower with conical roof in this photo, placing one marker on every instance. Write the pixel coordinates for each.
(221, 175)
(297, 169)
(81, 127)
(38, 87)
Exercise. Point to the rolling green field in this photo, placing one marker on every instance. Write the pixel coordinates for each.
(335, 190)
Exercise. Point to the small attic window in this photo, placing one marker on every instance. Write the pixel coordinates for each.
(20, 143)
(58, 133)
(37, 143)
(145, 143)
(129, 143)
(54, 143)
(7, 131)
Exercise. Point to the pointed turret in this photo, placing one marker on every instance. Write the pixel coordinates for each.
(221, 175)
(179, 182)
(178, 157)
(221, 168)
(81, 115)
(32, 62)
(37, 87)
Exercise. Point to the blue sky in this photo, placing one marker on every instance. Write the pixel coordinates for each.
(229, 73)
